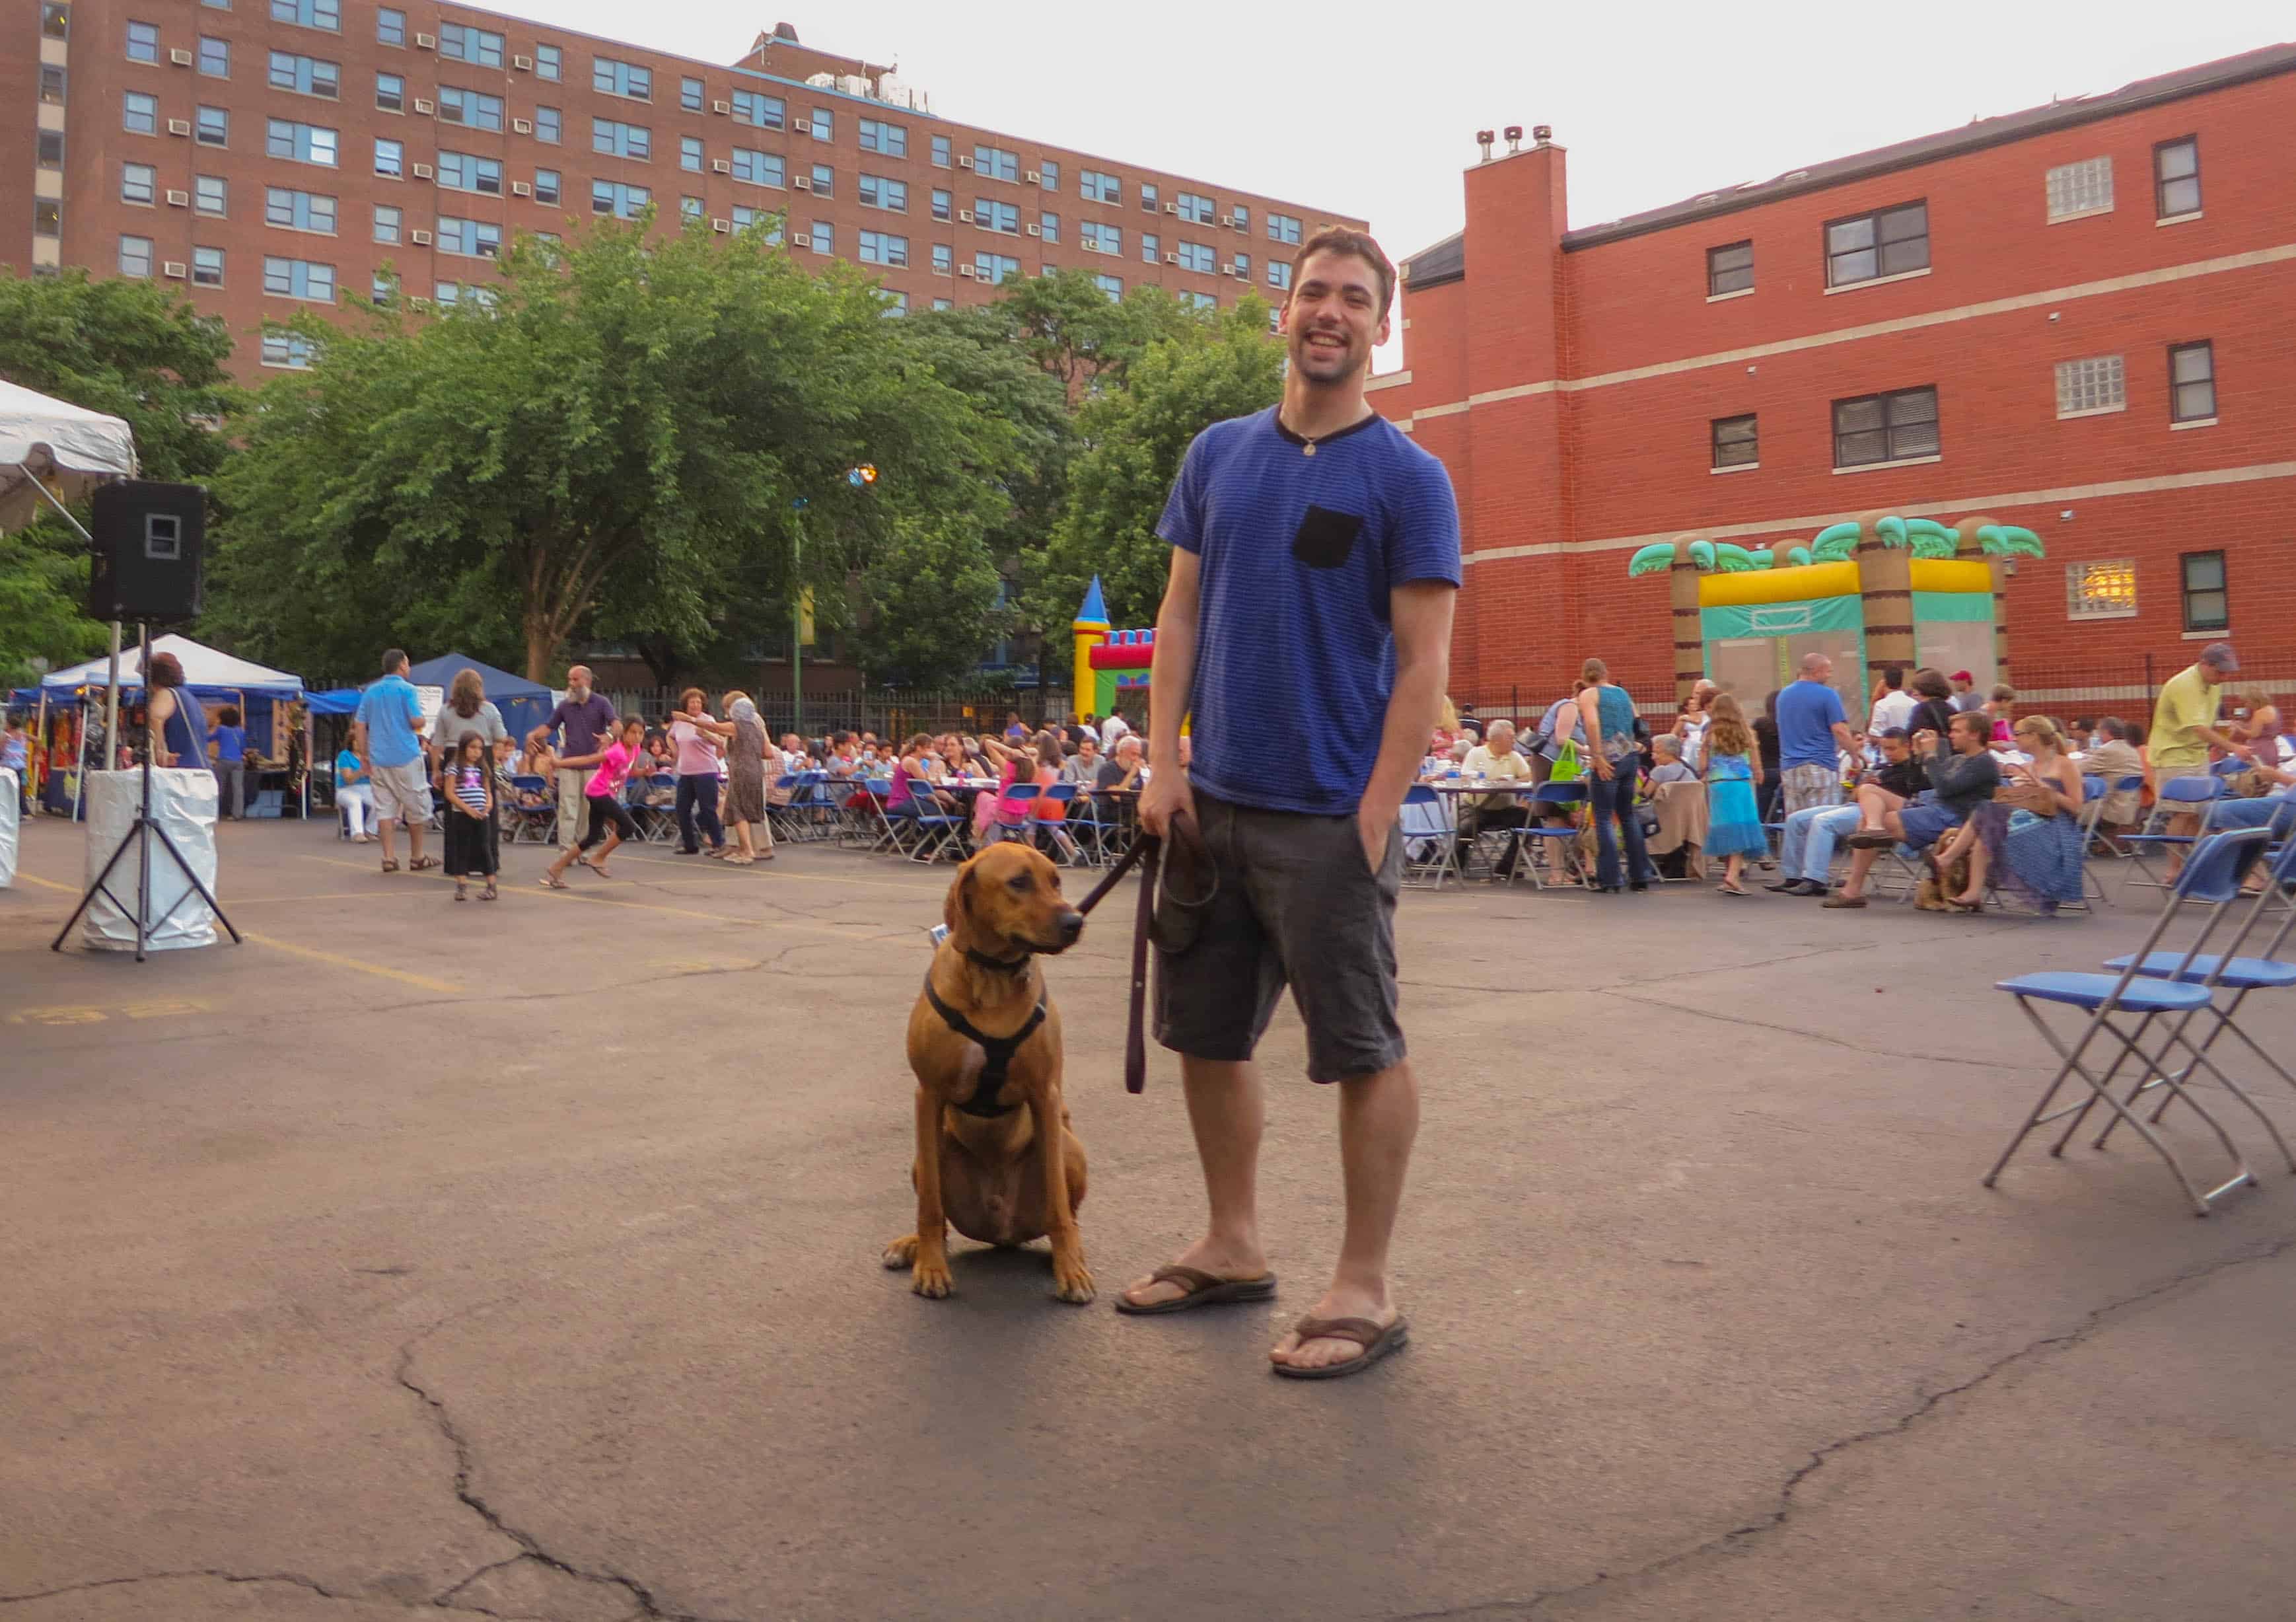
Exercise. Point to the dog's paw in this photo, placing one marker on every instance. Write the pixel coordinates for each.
(930, 1278)
(902, 1252)
(1071, 1279)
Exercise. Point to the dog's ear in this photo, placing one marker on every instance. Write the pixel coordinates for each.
(956, 910)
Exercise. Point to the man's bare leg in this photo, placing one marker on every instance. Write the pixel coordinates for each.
(415, 828)
(383, 830)
(1379, 1118)
(1228, 1110)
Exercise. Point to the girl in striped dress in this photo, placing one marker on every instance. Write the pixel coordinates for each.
(470, 812)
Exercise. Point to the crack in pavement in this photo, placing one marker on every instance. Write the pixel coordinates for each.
(294, 1579)
(1817, 1037)
(2092, 1322)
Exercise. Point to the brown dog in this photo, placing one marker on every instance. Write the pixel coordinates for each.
(995, 1154)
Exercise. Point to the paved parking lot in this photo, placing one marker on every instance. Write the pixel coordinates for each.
(522, 1260)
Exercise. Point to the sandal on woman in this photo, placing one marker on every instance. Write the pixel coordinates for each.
(740, 861)
(421, 863)
(1730, 890)
(489, 893)
(461, 892)
(550, 881)
(391, 867)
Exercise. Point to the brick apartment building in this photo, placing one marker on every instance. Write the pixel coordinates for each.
(2080, 319)
(267, 154)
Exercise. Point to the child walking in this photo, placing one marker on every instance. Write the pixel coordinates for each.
(469, 817)
(1733, 767)
(609, 819)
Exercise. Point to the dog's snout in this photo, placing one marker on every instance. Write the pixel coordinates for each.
(1071, 924)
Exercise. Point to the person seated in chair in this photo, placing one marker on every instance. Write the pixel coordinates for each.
(1668, 766)
(2110, 756)
(1805, 851)
(1962, 775)
(1495, 760)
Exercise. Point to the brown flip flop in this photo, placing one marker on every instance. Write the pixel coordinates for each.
(1376, 1340)
(1204, 1290)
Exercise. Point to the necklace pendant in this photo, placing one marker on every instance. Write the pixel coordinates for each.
(1308, 450)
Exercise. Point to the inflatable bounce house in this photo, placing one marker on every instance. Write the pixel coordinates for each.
(1878, 591)
(1111, 666)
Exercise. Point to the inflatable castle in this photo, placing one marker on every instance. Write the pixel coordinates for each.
(1111, 666)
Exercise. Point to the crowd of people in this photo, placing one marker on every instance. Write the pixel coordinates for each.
(1982, 797)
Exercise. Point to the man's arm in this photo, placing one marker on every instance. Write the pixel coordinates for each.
(1171, 688)
(1419, 612)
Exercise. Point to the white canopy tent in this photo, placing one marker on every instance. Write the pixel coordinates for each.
(208, 671)
(51, 448)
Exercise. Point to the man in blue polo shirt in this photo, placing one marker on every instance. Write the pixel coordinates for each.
(388, 733)
(1813, 734)
(1314, 563)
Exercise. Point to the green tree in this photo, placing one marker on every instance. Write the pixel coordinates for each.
(131, 350)
(1134, 438)
(615, 435)
(1076, 332)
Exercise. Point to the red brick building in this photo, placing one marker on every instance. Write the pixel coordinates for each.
(2079, 319)
(268, 155)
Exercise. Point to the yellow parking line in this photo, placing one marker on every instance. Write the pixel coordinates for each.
(783, 876)
(422, 981)
(836, 930)
(44, 884)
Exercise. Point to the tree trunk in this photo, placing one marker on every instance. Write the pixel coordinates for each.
(541, 646)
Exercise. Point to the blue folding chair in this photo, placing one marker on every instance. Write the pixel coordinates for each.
(533, 824)
(1542, 801)
(1430, 838)
(2212, 876)
(1001, 826)
(1053, 833)
(2185, 796)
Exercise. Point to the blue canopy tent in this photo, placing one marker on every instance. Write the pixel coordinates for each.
(524, 704)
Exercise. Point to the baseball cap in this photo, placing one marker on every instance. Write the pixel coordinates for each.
(1965, 676)
(2220, 654)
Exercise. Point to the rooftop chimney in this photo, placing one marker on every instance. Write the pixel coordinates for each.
(1483, 138)
(1513, 138)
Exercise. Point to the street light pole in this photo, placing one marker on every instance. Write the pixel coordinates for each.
(796, 617)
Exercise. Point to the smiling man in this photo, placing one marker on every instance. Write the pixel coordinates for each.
(1314, 563)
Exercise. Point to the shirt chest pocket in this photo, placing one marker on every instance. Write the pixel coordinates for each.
(1325, 538)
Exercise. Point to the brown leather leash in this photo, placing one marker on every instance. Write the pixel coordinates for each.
(1146, 852)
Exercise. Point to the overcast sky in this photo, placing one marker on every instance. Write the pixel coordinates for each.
(1372, 109)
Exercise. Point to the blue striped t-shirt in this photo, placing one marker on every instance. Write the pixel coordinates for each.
(1299, 548)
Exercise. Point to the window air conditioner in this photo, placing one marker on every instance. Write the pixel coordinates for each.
(179, 56)
(524, 127)
(424, 171)
(173, 267)
(722, 226)
(421, 239)
(1034, 177)
(180, 127)
(721, 106)
(524, 64)
(1171, 258)
(426, 42)
(800, 240)
(425, 108)
(965, 217)
(1171, 207)
(964, 161)
(1036, 231)
(801, 183)
(180, 200)
(519, 188)
(719, 166)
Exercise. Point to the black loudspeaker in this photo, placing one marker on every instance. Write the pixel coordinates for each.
(149, 541)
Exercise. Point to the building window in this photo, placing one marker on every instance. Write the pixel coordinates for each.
(1199, 256)
(476, 46)
(143, 46)
(689, 152)
(303, 142)
(879, 191)
(383, 290)
(207, 267)
(470, 107)
(298, 211)
(623, 79)
(2075, 189)
(943, 303)
(744, 218)
(286, 350)
(1198, 300)
(386, 223)
(55, 19)
(1729, 268)
(1095, 186)
(690, 94)
(995, 163)
(135, 256)
(389, 93)
(1048, 226)
(2105, 591)
(823, 237)
(758, 169)
(304, 75)
(1284, 228)
(1098, 238)
(940, 152)
(326, 14)
(941, 203)
(615, 139)
(1279, 275)
(391, 27)
(215, 57)
(464, 172)
(1894, 242)
(50, 149)
(47, 217)
(389, 158)
(1242, 218)
(1113, 285)
(896, 303)
(469, 238)
(2087, 387)
(547, 125)
(622, 201)
(2176, 178)
(825, 180)
(550, 64)
(136, 183)
(1195, 208)
(546, 185)
(995, 268)
(883, 248)
(690, 209)
(1885, 427)
(1734, 442)
(824, 124)
(140, 114)
(299, 279)
(2207, 605)
(763, 111)
(1148, 245)
(52, 85)
(944, 259)
(1004, 216)
(2192, 382)
(446, 294)
(1147, 198)
(879, 136)
(211, 126)
(211, 195)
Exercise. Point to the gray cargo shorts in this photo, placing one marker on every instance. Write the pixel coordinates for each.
(1295, 906)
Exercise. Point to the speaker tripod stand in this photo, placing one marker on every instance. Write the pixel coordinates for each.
(142, 833)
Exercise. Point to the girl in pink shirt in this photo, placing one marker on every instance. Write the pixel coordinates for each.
(609, 819)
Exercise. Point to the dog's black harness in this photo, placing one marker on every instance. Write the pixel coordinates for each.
(999, 1050)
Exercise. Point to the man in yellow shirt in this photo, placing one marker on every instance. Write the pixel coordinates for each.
(2185, 729)
(1493, 760)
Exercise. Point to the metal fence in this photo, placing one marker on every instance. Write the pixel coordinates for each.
(888, 712)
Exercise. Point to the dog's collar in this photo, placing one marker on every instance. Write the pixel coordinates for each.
(982, 960)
